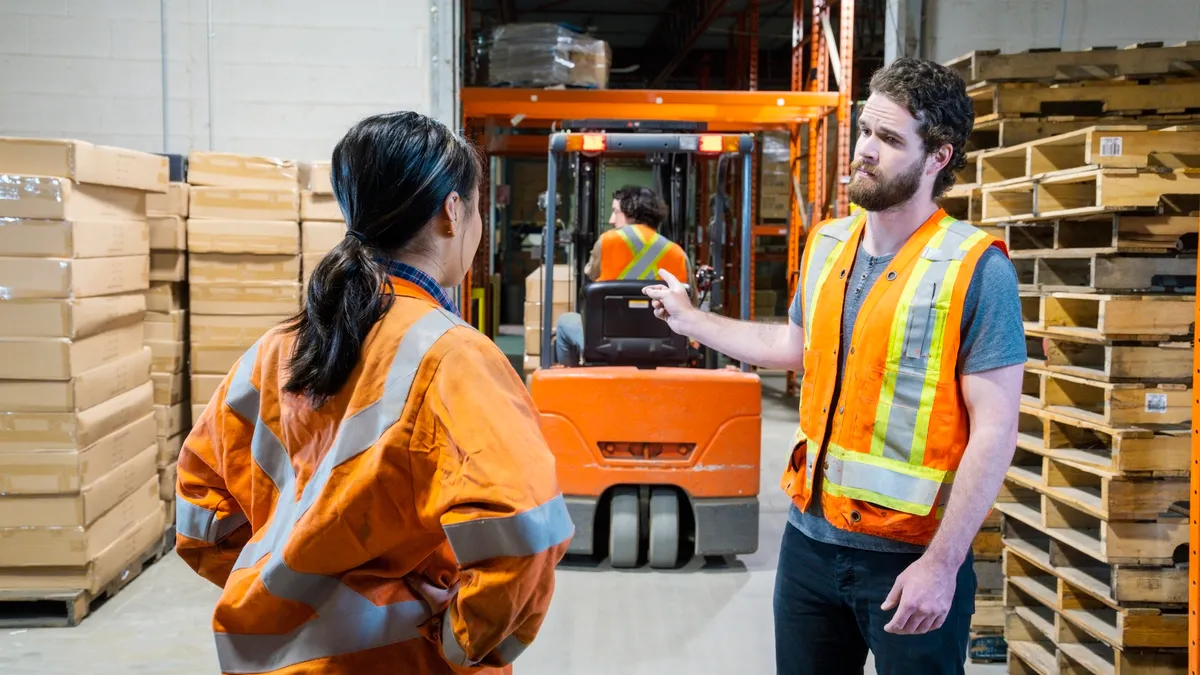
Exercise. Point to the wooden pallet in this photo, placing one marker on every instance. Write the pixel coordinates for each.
(1089, 271)
(1151, 543)
(1115, 404)
(963, 202)
(60, 609)
(1098, 63)
(1097, 191)
(1126, 146)
(1112, 317)
(1137, 451)
(1104, 233)
(1111, 361)
(1108, 98)
(1005, 132)
(1106, 496)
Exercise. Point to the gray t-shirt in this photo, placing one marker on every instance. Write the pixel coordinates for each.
(993, 336)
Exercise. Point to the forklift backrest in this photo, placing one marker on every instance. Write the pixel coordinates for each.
(620, 329)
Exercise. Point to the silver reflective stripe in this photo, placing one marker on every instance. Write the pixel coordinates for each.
(451, 650)
(510, 649)
(880, 480)
(828, 239)
(523, 534)
(197, 522)
(647, 257)
(346, 621)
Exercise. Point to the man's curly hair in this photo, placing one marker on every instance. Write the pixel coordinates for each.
(937, 97)
(641, 205)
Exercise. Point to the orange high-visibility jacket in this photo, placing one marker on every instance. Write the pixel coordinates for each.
(638, 252)
(427, 471)
(889, 446)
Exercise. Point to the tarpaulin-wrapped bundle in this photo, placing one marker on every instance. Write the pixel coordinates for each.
(546, 55)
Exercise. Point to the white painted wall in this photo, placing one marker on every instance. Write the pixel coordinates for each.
(288, 77)
(957, 27)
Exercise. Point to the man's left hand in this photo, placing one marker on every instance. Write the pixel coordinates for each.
(923, 593)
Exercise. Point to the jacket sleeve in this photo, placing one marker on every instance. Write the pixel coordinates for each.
(210, 526)
(496, 497)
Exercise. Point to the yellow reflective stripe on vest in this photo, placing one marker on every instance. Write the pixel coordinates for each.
(888, 483)
(828, 246)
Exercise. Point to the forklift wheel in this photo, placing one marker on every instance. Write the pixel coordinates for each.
(664, 528)
(623, 532)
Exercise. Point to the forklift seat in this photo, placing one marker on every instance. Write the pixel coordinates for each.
(620, 329)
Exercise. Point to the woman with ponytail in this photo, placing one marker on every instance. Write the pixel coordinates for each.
(369, 485)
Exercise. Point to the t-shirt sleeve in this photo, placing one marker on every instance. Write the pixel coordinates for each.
(993, 332)
(796, 311)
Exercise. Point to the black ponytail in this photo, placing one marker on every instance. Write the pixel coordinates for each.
(391, 175)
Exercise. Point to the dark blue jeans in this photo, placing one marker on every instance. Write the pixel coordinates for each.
(827, 613)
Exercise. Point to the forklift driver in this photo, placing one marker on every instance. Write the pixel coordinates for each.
(633, 249)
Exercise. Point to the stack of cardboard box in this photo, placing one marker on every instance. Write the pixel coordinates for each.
(243, 243)
(166, 330)
(563, 295)
(80, 504)
(323, 226)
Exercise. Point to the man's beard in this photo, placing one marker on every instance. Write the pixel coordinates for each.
(884, 192)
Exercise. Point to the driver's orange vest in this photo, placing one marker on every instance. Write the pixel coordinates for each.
(638, 252)
(889, 445)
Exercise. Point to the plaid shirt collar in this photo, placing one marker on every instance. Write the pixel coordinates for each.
(422, 280)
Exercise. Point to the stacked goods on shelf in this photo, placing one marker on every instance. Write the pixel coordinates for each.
(243, 240)
(166, 331)
(79, 511)
(1101, 224)
(564, 290)
(322, 225)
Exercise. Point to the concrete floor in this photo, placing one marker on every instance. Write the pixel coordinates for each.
(602, 621)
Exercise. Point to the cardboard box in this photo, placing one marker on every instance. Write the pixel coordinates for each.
(320, 207)
(169, 514)
(66, 318)
(165, 296)
(79, 510)
(74, 430)
(172, 203)
(85, 163)
(204, 386)
(168, 420)
(48, 472)
(533, 313)
(226, 169)
(168, 233)
(319, 237)
(63, 359)
(197, 411)
(168, 266)
(316, 177)
(28, 238)
(228, 268)
(52, 198)
(167, 356)
(64, 278)
(244, 204)
(77, 546)
(166, 482)
(94, 576)
(167, 454)
(533, 340)
(308, 263)
(166, 326)
(220, 330)
(531, 362)
(168, 387)
(244, 299)
(241, 237)
(214, 360)
(565, 287)
(89, 389)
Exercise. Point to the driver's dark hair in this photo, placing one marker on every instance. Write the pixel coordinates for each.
(937, 97)
(391, 175)
(641, 205)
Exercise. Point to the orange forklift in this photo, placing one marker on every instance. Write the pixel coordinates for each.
(658, 449)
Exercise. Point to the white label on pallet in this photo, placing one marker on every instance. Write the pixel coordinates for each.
(1156, 403)
(1110, 146)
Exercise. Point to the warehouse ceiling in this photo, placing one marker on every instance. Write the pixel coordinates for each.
(647, 36)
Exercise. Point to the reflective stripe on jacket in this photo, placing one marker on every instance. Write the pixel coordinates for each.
(410, 524)
(638, 252)
(889, 446)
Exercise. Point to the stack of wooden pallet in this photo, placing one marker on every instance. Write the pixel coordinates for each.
(1101, 227)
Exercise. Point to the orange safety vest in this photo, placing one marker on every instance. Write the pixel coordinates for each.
(428, 470)
(638, 252)
(898, 430)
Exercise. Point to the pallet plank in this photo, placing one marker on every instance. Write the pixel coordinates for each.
(1015, 100)
(1102, 316)
(1097, 64)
